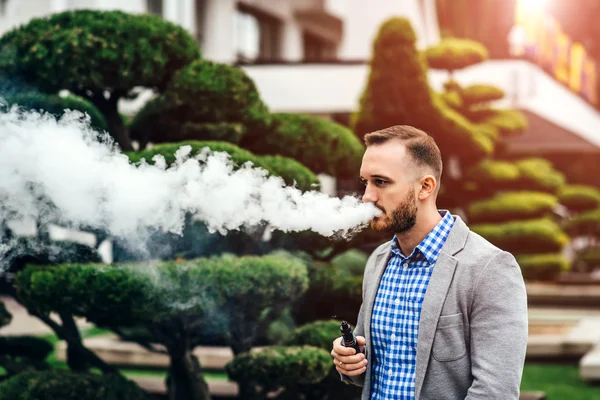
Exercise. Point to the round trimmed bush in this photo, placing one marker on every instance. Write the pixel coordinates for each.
(280, 366)
(25, 346)
(590, 257)
(585, 224)
(524, 237)
(57, 105)
(507, 122)
(479, 93)
(542, 267)
(290, 170)
(351, 262)
(320, 334)
(66, 385)
(453, 53)
(579, 198)
(509, 206)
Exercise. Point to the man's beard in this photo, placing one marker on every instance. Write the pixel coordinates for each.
(402, 219)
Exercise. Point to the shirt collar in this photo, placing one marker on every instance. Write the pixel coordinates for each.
(432, 244)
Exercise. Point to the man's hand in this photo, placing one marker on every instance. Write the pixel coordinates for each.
(346, 360)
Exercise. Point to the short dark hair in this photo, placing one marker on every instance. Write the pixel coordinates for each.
(421, 146)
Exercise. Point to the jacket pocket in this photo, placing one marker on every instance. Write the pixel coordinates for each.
(449, 342)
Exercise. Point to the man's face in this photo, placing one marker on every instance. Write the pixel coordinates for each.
(390, 183)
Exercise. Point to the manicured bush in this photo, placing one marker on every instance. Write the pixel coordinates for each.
(509, 206)
(508, 122)
(351, 262)
(5, 316)
(524, 237)
(543, 267)
(322, 145)
(539, 174)
(590, 257)
(480, 93)
(66, 385)
(56, 105)
(586, 223)
(319, 333)
(25, 346)
(290, 170)
(278, 367)
(397, 92)
(453, 53)
(93, 53)
(579, 198)
(204, 101)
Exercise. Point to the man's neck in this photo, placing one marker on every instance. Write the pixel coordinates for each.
(425, 223)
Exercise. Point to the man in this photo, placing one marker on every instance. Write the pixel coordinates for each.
(444, 312)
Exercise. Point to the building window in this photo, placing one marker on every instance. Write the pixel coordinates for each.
(317, 49)
(3, 7)
(257, 36)
(155, 7)
(200, 20)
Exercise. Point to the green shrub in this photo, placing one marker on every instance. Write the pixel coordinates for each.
(320, 334)
(56, 105)
(351, 262)
(579, 198)
(279, 366)
(397, 92)
(543, 267)
(539, 174)
(453, 53)
(590, 257)
(322, 145)
(452, 99)
(66, 385)
(508, 122)
(479, 93)
(28, 346)
(524, 237)
(5, 316)
(509, 206)
(585, 224)
(204, 101)
(290, 170)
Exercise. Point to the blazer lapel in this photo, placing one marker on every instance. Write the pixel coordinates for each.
(442, 275)
(372, 286)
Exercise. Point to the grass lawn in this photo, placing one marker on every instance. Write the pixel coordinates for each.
(558, 381)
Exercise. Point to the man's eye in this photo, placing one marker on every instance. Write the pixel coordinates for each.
(380, 182)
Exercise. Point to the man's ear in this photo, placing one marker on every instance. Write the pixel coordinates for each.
(428, 187)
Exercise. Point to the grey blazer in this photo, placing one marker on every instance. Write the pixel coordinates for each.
(473, 327)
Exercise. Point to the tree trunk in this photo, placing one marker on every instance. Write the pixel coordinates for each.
(185, 380)
(76, 360)
(109, 109)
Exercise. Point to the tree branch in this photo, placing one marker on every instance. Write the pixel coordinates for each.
(144, 343)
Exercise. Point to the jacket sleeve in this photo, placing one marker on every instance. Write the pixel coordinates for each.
(359, 331)
(499, 330)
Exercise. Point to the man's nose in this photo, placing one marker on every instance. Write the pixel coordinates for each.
(369, 195)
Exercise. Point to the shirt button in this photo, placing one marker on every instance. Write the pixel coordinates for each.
(393, 337)
(390, 372)
(405, 265)
(397, 302)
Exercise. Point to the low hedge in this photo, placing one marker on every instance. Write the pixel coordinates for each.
(579, 198)
(524, 237)
(25, 346)
(543, 267)
(509, 206)
(67, 385)
(290, 170)
(278, 367)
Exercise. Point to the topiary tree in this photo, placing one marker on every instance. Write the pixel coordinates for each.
(322, 145)
(176, 304)
(452, 54)
(65, 385)
(514, 206)
(56, 105)
(204, 101)
(583, 203)
(101, 56)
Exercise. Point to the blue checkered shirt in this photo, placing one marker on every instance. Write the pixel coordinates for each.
(396, 313)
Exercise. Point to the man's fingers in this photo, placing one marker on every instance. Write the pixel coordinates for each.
(351, 373)
(361, 340)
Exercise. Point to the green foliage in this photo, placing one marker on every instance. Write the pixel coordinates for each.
(579, 198)
(290, 170)
(509, 206)
(543, 267)
(66, 385)
(56, 105)
(278, 366)
(584, 224)
(590, 256)
(479, 93)
(452, 99)
(322, 145)
(397, 92)
(454, 53)
(320, 334)
(97, 50)
(351, 262)
(524, 237)
(508, 122)
(25, 346)
(532, 174)
(5, 316)
(204, 101)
